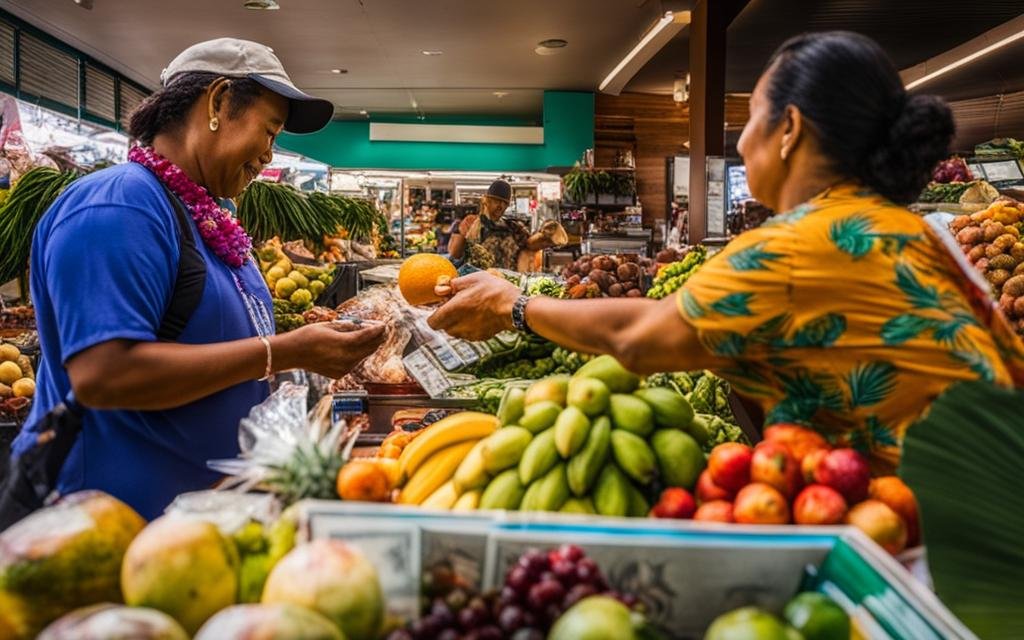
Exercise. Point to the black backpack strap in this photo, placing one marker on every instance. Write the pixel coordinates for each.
(190, 280)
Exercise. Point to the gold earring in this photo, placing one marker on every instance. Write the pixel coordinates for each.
(783, 153)
(214, 123)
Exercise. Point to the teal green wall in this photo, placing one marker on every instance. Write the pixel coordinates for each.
(568, 131)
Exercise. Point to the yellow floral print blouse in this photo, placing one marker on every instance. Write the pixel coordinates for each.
(848, 314)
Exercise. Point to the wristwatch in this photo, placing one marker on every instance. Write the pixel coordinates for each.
(519, 314)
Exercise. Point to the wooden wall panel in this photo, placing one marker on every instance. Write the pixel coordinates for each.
(655, 127)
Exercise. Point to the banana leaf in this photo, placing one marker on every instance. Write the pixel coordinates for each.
(964, 463)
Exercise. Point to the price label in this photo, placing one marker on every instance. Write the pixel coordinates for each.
(427, 372)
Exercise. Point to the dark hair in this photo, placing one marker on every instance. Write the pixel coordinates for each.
(166, 109)
(866, 123)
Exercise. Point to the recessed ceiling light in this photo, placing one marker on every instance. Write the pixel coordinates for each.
(550, 47)
(261, 5)
(500, 94)
(362, 112)
(339, 71)
(432, 52)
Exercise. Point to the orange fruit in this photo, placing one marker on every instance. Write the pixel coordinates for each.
(364, 481)
(420, 274)
(898, 496)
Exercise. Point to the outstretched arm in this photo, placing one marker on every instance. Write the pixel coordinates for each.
(645, 335)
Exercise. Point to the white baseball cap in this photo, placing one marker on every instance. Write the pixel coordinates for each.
(234, 58)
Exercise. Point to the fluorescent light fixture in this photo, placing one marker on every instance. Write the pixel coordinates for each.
(432, 52)
(500, 94)
(666, 28)
(339, 71)
(261, 5)
(966, 53)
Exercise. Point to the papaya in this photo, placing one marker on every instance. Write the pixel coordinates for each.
(114, 622)
(280, 621)
(64, 557)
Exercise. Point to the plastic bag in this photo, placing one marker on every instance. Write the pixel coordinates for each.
(276, 431)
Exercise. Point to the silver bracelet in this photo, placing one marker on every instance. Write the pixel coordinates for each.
(270, 360)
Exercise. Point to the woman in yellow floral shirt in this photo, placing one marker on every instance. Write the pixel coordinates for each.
(847, 312)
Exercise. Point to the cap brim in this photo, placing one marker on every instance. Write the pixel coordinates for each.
(306, 114)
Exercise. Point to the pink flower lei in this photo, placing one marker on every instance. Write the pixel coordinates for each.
(221, 232)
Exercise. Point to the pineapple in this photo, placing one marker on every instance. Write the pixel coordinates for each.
(309, 473)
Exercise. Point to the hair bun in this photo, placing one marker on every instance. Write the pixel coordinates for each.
(917, 140)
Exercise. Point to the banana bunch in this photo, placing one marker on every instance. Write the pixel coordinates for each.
(428, 463)
(593, 443)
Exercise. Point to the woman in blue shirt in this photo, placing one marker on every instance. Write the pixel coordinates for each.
(105, 266)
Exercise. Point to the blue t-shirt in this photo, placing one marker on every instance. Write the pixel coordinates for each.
(104, 262)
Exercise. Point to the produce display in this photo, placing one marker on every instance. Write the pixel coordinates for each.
(947, 192)
(795, 476)
(180, 576)
(17, 383)
(17, 319)
(672, 277)
(592, 443)
(615, 276)
(558, 594)
(992, 241)
(1000, 148)
(31, 196)
(952, 170)
(808, 616)
(582, 185)
(709, 396)
(294, 287)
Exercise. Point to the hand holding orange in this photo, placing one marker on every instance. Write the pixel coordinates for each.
(421, 274)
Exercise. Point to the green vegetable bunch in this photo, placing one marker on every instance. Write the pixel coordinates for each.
(26, 203)
(671, 278)
(547, 287)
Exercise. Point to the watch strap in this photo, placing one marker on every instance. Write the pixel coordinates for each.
(519, 314)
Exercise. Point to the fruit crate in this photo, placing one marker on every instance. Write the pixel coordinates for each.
(685, 573)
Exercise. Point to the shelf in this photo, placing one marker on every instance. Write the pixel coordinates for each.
(573, 205)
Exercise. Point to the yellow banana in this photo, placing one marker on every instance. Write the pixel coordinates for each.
(468, 501)
(436, 471)
(471, 473)
(459, 427)
(442, 499)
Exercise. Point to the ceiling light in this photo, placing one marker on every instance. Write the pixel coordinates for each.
(956, 64)
(261, 5)
(85, 4)
(500, 94)
(432, 52)
(339, 71)
(550, 47)
(362, 112)
(656, 37)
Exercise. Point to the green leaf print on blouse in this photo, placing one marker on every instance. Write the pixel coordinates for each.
(871, 383)
(692, 308)
(821, 332)
(905, 327)
(734, 304)
(856, 236)
(977, 362)
(806, 394)
(872, 435)
(727, 344)
(920, 295)
(753, 258)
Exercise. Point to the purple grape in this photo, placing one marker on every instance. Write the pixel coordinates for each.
(442, 612)
(490, 632)
(511, 619)
(529, 619)
(508, 595)
(587, 570)
(571, 552)
(520, 580)
(449, 634)
(528, 634)
(628, 599)
(545, 593)
(427, 627)
(577, 593)
(535, 562)
(552, 612)
(565, 571)
(471, 618)
(399, 634)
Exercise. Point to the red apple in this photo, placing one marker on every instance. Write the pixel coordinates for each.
(773, 465)
(674, 502)
(715, 511)
(880, 523)
(818, 504)
(729, 464)
(759, 503)
(847, 472)
(799, 440)
(708, 491)
(810, 464)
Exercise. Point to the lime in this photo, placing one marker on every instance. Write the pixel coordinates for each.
(817, 617)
